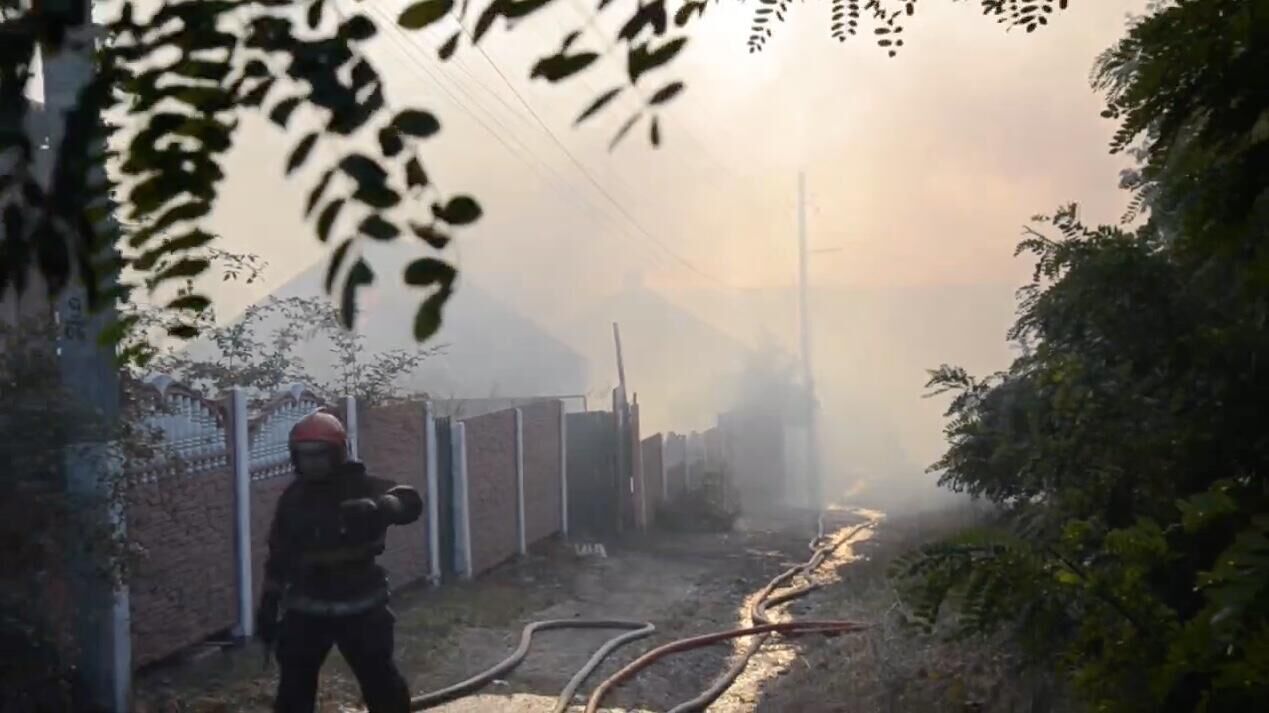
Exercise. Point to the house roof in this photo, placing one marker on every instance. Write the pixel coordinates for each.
(489, 348)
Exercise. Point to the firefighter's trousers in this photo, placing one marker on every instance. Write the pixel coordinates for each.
(366, 642)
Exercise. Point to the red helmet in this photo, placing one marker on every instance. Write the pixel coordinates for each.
(319, 427)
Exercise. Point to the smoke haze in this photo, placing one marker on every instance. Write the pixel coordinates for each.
(921, 170)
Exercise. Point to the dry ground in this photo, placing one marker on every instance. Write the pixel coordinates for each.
(685, 585)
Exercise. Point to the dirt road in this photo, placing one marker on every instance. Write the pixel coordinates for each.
(685, 584)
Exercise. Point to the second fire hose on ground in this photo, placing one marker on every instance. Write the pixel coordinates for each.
(762, 627)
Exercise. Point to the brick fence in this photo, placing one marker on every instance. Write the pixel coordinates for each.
(543, 453)
(392, 442)
(182, 587)
(491, 479)
(200, 515)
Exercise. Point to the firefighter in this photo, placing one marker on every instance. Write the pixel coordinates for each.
(322, 587)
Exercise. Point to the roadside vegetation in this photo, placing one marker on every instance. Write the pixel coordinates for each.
(1126, 447)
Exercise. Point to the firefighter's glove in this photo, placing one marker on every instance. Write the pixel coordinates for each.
(267, 618)
(361, 510)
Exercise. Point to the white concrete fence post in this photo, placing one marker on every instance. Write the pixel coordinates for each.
(522, 545)
(240, 457)
(563, 471)
(462, 520)
(433, 497)
(350, 415)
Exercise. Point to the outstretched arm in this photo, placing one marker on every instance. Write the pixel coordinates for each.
(401, 505)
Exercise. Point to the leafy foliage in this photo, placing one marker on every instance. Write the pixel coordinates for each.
(260, 350)
(887, 16)
(177, 83)
(1126, 444)
(43, 529)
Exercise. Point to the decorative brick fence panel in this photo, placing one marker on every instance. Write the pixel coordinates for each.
(542, 486)
(182, 589)
(393, 445)
(180, 512)
(491, 473)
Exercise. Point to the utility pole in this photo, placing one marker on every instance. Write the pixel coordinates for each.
(808, 376)
(621, 365)
(621, 416)
(88, 371)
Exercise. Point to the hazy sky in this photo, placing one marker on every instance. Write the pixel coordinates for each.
(921, 171)
(921, 167)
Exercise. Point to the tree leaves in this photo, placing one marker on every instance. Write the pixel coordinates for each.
(599, 103)
(415, 176)
(429, 271)
(174, 164)
(424, 13)
(183, 268)
(281, 113)
(650, 14)
(416, 123)
(625, 129)
(360, 275)
(363, 169)
(319, 190)
(450, 46)
(460, 210)
(560, 66)
(314, 14)
(390, 142)
(378, 228)
(357, 28)
(508, 9)
(430, 235)
(336, 262)
(326, 220)
(666, 93)
(687, 10)
(300, 154)
(193, 303)
(641, 59)
(427, 321)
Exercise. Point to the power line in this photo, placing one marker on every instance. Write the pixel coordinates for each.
(406, 49)
(692, 136)
(409, 50)
(589, 177)
(586, 173)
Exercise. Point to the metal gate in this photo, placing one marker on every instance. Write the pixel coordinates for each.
(594, 496)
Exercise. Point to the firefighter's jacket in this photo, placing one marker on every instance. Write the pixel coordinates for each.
(322, 562)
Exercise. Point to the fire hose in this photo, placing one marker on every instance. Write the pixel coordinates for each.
(762, 626)
(638, 630)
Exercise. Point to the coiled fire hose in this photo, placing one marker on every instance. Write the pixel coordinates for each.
(637, 630)
(762, 626)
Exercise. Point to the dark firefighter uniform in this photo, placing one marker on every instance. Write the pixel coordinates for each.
(322, 586)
